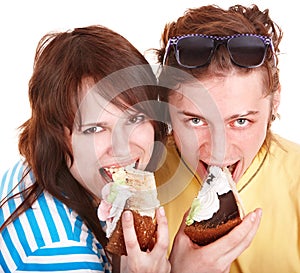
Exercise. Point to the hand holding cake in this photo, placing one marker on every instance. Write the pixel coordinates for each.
(133, 190)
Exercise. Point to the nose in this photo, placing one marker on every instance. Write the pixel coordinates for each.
(120, 142)
(219, 144)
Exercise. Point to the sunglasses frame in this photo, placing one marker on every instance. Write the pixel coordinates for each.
(218, 40)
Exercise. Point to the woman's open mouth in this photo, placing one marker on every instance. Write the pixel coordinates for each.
(107, 172)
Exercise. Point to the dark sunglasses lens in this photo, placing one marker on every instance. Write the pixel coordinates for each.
(247, 51)
(194, 51)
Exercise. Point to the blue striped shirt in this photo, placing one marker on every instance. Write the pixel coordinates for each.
(48, 237)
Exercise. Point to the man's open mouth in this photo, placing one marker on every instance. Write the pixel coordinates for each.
(231, 168)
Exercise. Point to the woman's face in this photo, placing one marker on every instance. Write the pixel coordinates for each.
(222, 121)
(108, 138)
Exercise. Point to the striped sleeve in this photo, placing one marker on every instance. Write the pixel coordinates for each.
(48, 237)
(60, 257)
(10, 179)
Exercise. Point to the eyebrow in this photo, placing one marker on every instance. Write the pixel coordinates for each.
(190, 114)
(243, 115)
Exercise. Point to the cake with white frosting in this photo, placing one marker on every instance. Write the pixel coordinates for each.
(133, 190)
(216, 210)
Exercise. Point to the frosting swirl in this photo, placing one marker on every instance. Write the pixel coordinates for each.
(207, 202)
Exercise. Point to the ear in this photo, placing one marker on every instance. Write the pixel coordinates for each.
(276, 101)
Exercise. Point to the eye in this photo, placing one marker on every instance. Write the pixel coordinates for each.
(93, 130)
(134, 119)
(240, 123)
(196, 122)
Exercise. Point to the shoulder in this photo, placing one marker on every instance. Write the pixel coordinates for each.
(169, 163)
(285, 148)
(174, 178)
(45, 231)
(285, 161)
(11, 178)
(171, 156)
(49, 230)
(56, 222)
(60, 256)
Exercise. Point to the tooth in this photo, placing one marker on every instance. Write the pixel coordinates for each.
(231, 168)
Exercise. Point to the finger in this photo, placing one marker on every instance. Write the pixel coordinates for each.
(130, 238)
(160, 250)
(246, 231)
(236, 241)
(252, 225)
(162, 242)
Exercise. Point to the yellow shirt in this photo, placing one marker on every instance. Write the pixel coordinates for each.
(275, 188)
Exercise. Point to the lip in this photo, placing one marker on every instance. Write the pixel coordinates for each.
(232, 167)
(106, 171)
(107, 177)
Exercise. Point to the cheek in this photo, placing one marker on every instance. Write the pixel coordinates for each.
(143, 136)
(186, 136)
(189, 139)
(256, 134)
(253, 142)
(88, 177)
(85, 167)
(84, 150)
(189, 145)
(186, 140)
(245, 145)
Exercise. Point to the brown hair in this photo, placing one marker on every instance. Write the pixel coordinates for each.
(63, 61)
(213, 20)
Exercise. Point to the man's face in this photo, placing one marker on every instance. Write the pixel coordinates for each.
(222, 121)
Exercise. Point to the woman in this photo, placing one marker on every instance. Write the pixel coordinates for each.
(221, 79)
(90, 95)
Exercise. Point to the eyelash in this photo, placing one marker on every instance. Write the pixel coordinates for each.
(134, 119)
(236, 123)
(197, 122)
(93, 130)
(191, 121)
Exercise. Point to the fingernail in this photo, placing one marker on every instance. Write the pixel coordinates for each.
(162, 211)
(253, 217)
(255, 214)
(259, 212)
(127, 215)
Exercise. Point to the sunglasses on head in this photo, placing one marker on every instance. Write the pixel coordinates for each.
(196, 50)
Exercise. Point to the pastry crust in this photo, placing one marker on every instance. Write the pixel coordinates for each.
(133, 190)
(221, 219)
(145, 228)
(202, 235)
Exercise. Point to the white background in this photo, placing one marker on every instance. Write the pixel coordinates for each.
(23, 23)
